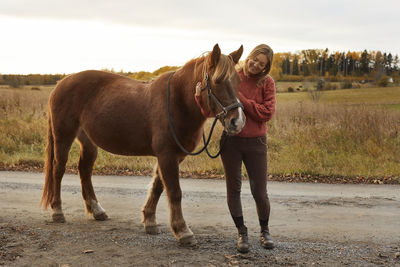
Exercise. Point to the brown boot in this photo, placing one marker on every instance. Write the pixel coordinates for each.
(265, 238)
(242, 243)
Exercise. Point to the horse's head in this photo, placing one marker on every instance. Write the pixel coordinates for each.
(222, 82)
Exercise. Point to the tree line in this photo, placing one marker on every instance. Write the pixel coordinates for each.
(18, 80)
(371, 65)
(366, 65)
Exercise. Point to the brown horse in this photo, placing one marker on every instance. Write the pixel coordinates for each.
(128, 117)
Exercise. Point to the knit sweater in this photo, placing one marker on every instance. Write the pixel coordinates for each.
(258, 103)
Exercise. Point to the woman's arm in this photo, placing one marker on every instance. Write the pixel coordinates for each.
(199, 101)
(264, 111)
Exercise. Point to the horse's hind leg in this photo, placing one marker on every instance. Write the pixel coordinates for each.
(88, 155)
(149, 209)
(61, 150)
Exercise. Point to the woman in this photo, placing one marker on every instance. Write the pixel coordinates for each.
(257, 94)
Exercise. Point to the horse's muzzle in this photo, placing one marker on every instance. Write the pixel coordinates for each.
(234, 124)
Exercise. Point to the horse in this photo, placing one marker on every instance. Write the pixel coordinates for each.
(128, 117)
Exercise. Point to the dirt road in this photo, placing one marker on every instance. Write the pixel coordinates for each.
(329, 225)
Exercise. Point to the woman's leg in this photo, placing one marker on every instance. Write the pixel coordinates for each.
(255, 161)
(232, 160)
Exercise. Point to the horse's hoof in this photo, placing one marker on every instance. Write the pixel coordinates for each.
(100, 216)
(187, 240)
(58, 218)
(152, 229)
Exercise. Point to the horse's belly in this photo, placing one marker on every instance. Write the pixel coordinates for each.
(123, 148)
(119, 139)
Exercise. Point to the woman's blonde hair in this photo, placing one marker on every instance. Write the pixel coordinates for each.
(259, 49)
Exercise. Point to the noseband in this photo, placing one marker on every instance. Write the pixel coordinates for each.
(211, 95)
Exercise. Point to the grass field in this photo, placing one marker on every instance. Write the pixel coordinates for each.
(368, 96)
(352, 132)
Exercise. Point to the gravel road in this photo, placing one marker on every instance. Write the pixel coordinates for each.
(312, 224)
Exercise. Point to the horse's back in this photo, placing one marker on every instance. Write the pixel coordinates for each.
(86, 84)
(110, 108)
(80, 89)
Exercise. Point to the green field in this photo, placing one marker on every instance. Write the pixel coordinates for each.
(352, 132)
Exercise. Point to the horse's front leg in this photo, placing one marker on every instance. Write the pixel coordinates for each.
(169, 168)
(149, 209)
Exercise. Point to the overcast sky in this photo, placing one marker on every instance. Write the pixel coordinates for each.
(53, 36)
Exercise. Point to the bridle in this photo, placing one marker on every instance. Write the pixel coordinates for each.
(211, 95)
(222, 115)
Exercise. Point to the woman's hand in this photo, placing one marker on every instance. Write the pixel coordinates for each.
(198, 89)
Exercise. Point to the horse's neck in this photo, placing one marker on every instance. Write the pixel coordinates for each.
(185, 86)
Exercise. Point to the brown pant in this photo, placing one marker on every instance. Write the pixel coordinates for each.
(253, 153)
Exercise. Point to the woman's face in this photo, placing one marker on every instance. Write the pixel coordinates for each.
(257, 64)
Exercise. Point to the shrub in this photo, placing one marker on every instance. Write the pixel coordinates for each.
(290, 89)
(383, 82)
(330, 86)
(15, 83)
(320, 84)
(347, 85)
(291, 78)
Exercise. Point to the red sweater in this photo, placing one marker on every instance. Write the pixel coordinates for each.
(259, 105)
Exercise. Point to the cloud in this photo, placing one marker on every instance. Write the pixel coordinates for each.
(187, 28)
(239, 19)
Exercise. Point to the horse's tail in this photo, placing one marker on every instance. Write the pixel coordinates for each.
(48, 193)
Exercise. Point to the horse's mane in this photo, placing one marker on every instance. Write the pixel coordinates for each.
(224, 70)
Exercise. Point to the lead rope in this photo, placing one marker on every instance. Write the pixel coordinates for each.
(171, 127)
(221, 145)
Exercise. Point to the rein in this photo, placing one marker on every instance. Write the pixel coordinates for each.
(222, 114)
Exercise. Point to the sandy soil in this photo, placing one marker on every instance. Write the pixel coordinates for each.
(312, 224)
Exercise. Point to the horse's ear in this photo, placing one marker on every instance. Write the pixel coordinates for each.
(237, 54)
(215, 55)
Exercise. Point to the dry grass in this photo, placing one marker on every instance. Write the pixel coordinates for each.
(334, 140)
(349, 132)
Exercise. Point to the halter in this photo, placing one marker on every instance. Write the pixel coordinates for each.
(222, 114)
